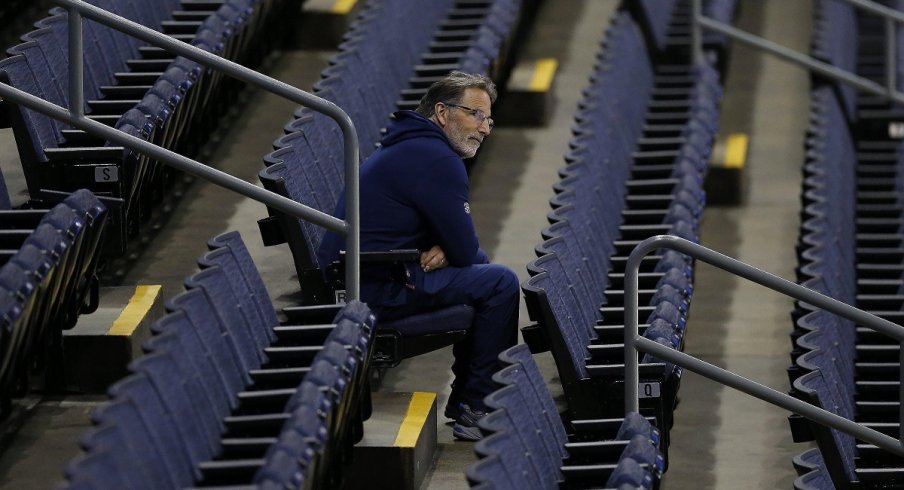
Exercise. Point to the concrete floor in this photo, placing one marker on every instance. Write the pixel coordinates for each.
(721, 439)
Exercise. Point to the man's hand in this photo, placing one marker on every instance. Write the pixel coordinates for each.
(433, 259)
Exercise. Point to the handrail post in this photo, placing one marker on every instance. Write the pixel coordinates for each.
(76, 66)
(632, 326)
(890, 53)
(696, 33)
(352, 218)
(901, 392)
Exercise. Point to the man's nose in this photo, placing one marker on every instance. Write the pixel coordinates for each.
(484, 127)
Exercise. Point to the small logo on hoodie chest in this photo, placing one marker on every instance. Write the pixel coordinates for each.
(467, 208)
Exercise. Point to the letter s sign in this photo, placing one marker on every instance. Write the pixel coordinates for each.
(108, 173)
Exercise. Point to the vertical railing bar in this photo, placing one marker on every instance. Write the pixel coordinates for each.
(352, 219)
(76, 65)
(696, 33)
(890, 53)
(901, 392)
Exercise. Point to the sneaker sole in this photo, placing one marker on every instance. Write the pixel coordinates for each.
(466, 433)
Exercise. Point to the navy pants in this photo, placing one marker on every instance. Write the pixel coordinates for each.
(491, 289)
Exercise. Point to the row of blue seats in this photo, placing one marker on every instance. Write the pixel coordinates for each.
(306, 168)
(141, 90)
(527, 445)
(47, 280)
(226, 396)
(635, 169)
(847, 251)
(849, 248)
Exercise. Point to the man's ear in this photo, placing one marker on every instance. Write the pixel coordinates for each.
(440, 113)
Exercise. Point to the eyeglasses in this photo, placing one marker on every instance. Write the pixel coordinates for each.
(477, 114)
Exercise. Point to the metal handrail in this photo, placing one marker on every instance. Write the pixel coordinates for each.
(634, 342)
(891, 16)
(76, 117)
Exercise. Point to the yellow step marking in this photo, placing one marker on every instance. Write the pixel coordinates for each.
(343, 6)
(418, 410)
(735, 150)
(544, 70)
(135, 311)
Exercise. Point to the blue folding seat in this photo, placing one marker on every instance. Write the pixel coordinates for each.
(145, 440)
(97, 470)
(519, 423)
(182, 401)
(630, 472)
(663, 330)
(114, 440)
(640, 449)
(488, 473)
(210, 328)
(518, 472)
(36, 128)
(215, 284)
(16, 283)
(243, 264)
(214, 359)
(811, 468)
(194, 365)
(293, 458)
(182, 452)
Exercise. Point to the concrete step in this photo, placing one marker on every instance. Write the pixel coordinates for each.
(725, 182)
(324, 22)
(103, 343)
(399, 443)
(528, 97)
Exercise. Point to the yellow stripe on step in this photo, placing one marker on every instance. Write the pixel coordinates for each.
(415, 417)
(544, 71)
(343, 6)
(135, 311)
(735, 150)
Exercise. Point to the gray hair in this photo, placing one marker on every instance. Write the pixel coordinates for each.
(451, 88)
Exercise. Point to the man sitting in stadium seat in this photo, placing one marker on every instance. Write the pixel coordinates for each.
(414, 194)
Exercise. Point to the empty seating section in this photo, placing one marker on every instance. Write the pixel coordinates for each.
(527, 446)
(138, 89)
(46, 280)
(849, 248)
(642, 136)
(227, 396)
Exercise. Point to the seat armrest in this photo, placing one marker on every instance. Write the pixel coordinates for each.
(402, 255)
(109, 154)
(312, 314)
(535, 338)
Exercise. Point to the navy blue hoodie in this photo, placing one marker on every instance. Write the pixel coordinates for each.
(414, 194)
